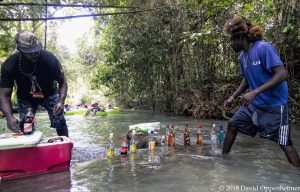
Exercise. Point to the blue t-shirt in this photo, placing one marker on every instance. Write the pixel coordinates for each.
(256, 66)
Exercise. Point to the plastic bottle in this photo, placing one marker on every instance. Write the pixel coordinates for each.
(124, 147)
(213, 135)
(110, 146)
(221, 134)
(28, 127)
(151, 143)
(199, 138)
(133, 142)
(186, 136)
(163, 140)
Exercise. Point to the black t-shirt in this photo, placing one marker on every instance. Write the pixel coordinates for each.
(48, 72)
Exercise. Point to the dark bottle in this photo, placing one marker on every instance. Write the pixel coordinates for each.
(28, 127)
(186, 136)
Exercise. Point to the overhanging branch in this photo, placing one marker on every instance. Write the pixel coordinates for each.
(71, 17)
(64, 5)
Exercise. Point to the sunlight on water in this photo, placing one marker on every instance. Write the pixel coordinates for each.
(252, 161)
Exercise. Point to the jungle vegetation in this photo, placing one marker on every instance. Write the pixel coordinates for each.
(166, 55)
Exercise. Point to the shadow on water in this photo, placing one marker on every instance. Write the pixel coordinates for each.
(59, 181)
(252, 161)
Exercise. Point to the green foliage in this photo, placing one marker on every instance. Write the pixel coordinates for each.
(165, 58)
(151, 60)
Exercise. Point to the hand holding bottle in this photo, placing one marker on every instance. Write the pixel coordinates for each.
(228, 102)
(58, 108)
(13, 124)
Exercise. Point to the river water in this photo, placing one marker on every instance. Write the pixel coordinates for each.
(254, 164)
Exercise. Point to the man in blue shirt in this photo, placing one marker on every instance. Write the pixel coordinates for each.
(264, 106)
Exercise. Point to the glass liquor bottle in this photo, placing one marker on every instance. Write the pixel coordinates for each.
(186, 136)
(151, 142)
(110, 147)
(171, 136)
(28, 126)
(199, 138)
(213, 135)
(133, 142)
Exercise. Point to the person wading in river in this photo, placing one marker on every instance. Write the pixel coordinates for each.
(36, 73)
(264, 107)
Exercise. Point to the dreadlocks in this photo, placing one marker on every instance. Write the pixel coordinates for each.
(237, 26)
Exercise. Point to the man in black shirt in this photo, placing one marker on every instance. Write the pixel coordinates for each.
(36, 73)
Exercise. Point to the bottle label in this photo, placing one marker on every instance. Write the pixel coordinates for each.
(28, 127)
(133, 148)
(151, 145)
(171, 140)
(110, 152)
(199, 139)
(123, 150)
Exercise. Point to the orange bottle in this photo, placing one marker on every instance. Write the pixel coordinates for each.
(199, 138)
(171, 136)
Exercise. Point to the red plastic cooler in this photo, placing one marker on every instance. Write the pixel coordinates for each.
(49, 155)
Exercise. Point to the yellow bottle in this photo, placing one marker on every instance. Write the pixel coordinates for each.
(151, 143)
(133, 142)
(110, 147)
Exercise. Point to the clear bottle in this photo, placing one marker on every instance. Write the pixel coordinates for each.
(124, 147)
(199, 138)
(151, 143)
(133, 142)
(213, 135)
(110, 146)
(28, 126)
(186, 136)
(163, 140)
(221, 134)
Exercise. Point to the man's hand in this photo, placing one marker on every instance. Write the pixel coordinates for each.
(58, 108)
(247, 98)
(228, 102)
(14, 125)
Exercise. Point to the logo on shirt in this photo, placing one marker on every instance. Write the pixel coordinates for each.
(256, 63)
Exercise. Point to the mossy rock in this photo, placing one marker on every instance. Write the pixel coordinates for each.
(113, 111)
(76, 112)
(99, 113)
